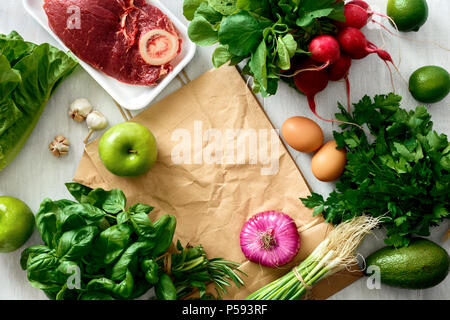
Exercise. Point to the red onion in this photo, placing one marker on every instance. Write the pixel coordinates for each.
(270, 238)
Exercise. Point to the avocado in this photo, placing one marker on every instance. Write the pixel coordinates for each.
(423, 264)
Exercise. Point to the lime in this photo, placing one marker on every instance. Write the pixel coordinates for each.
(408, 15)
(16, 223)
(429, 84)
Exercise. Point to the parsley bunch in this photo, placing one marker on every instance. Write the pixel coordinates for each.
(400, 172)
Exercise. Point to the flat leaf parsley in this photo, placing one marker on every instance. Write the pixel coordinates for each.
(402, 174)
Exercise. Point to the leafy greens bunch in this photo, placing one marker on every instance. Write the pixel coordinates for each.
(270, 33)
(402, 176)
(29, 75)
(97, 249)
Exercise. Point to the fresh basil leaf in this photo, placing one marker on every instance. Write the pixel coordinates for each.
(220, 56)
(68, 268)
(68, 220)
(165, 230)
(128, 261)
(30, 252)
(78, 190)
(151, 270)
(110, 243)
(86, 211)
(190, 6)
(75, 244)
(123, 217)
(138, 215)
(113, 201)
(123, 289)
(142, 225)
(201, 32)
(140, 208)
(41, 271)
(242, 33)
(46, 222)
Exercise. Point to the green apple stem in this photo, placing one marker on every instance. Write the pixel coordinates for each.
(132, 151)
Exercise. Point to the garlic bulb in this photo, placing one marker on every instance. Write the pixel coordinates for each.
(59, 146)
(95, 121)
(80, 109)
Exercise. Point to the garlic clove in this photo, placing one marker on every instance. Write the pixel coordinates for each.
(96, 121)
(59, 146)
(80, 109)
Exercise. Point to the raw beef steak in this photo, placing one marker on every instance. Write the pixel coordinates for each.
(129, 40)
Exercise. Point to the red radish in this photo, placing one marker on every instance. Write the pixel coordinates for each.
(324, 49)
(311, 83)
(355, 16)
(338, 71)
(270, 238)
(361, 4)
(370, 13)
(365, 6)
(354, 43)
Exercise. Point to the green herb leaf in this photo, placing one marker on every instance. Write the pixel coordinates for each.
(207, 12)
(241, 32)
(123, 289)
(112, 201)
(202, 32)
(190, 6)
(110, 244)
(75, 244)
(220, 56)
(225, 7)
(141, 222)
(401, 176)
(78, 190)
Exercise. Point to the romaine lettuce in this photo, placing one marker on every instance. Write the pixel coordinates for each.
(29, 74)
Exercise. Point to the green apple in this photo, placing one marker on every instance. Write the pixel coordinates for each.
(128, 149)
(16, 224)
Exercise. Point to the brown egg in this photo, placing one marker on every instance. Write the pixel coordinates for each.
(328, 163)
(302, 134)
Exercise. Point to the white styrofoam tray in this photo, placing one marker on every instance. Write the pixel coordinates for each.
(131, 97)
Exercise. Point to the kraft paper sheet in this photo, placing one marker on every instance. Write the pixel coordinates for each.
(212, 194)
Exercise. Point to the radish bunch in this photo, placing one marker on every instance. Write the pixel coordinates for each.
(331, 56)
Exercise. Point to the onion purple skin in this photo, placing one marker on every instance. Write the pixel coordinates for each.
(270, 239)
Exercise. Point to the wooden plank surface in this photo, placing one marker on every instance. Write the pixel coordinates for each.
(36, 174)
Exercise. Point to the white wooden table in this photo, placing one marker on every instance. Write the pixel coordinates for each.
(36, 174)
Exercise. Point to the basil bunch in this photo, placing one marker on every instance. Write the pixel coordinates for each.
(97, 249)
(270, 33)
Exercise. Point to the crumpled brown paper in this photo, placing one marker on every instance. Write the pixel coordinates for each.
(213, 200)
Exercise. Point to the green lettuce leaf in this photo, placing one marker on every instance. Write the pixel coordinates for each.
(29, 75)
